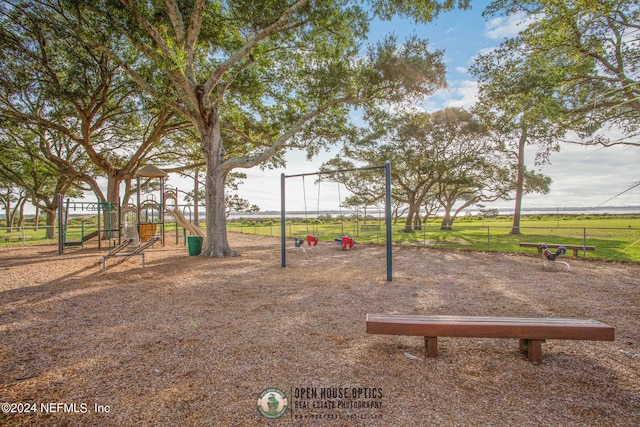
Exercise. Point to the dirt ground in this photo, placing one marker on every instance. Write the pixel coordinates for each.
(195, 341)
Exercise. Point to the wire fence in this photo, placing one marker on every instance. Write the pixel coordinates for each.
(618, 244)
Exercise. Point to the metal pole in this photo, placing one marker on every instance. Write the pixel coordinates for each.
(119, 213)
(100, 212)
(387, 213)
(138, 210)
(283, 231)
(60, 231)
(333, 172)
(162, 203)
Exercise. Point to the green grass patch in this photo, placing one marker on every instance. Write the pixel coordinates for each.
(615, 237)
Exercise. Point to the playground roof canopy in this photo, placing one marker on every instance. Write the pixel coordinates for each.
(150, 171)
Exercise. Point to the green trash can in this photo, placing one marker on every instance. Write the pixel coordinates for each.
(194, 243)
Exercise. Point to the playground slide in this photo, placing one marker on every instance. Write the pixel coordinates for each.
(91, 235)
(182, 222)
(84, 238)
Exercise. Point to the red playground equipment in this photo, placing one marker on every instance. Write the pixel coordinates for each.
(345, 241)
(311, 241)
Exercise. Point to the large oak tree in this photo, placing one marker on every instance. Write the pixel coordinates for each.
(255, 78)
(78, 102)
(517, 102)
(589, 50)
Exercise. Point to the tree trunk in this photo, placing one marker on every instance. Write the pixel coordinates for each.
(50, 216)
(196, 198)
(7, 219)
(417, 222)
(11, 219)
(446, 220)
(110, 216)
(408, 225)
(519, 184)
(37, 218)
(216, 244)
(21, 213)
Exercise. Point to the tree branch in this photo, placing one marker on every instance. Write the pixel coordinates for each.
(274, 28)
(251, 161)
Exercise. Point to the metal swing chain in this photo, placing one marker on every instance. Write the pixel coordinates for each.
(318, 206)
(304, 194)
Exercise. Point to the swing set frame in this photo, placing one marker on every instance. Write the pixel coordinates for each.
(387, 209)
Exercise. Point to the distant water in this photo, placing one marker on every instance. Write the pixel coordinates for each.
(600, 210)
(375, 212)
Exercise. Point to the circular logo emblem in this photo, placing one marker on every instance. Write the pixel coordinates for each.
(272, 403)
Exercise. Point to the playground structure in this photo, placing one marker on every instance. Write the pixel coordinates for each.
(102, 209)
(181, 220)
(150, 212)
(345, 241)
(129, 225)
(123, 256)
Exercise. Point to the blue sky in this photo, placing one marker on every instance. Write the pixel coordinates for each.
(581, 177)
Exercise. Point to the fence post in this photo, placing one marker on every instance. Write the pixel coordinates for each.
(488, 238)
(584, 243)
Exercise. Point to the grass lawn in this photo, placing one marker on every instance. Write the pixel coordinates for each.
(615, 237)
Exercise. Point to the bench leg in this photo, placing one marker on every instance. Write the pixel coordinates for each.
(532, 349)
(431, 347)
(523, 346)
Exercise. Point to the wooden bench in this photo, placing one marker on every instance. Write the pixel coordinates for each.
(370, 227)
(19, 238)
(575, 248)
(531, 332)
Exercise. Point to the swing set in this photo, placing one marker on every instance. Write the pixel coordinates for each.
(345, 241)
(311, 239)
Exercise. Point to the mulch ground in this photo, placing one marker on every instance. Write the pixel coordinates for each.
(190, 340)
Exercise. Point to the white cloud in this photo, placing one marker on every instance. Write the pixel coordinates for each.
(588, 176)
(466, 93)
(507, 26)
(452, 29)
(460, 93)
(486, 51)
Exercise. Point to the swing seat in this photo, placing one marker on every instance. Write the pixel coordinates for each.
(312, 240)
(345, 241)
(299, 242)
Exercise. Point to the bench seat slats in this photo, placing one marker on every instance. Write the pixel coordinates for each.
(557, 245)
(489, 327)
